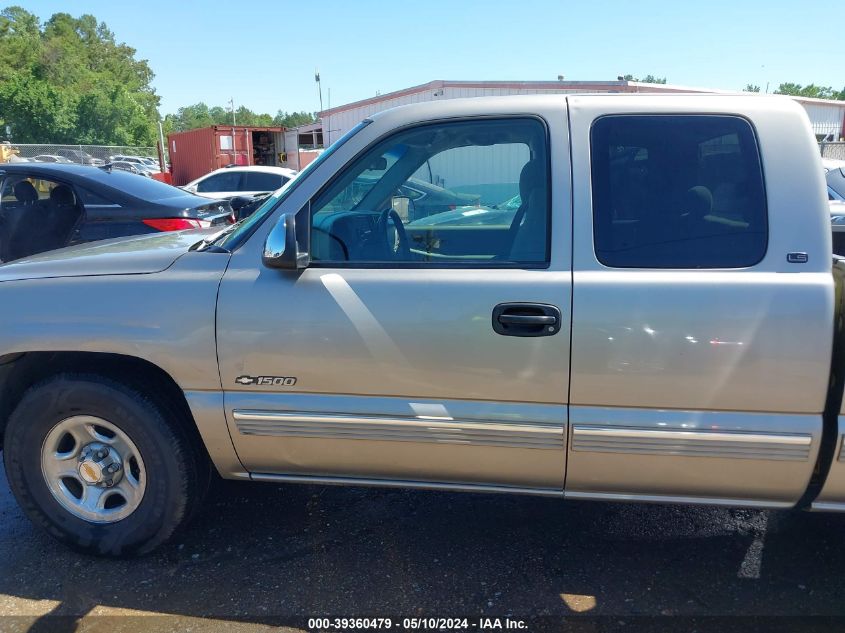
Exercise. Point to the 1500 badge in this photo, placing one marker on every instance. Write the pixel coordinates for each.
(267, 381)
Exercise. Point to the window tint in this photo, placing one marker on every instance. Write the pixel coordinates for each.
(403, 200)
(677, 192)
(258, 181)
(224, 181)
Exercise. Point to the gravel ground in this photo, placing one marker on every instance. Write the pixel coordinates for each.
(261, 555)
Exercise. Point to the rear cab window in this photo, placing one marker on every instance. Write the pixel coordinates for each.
(677, 191)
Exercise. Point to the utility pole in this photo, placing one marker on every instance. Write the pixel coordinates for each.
(319, 87)
(161, 161)
(234, 137)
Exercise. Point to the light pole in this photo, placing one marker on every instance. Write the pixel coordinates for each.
(161, 161)
(234, 148)
(319, 87)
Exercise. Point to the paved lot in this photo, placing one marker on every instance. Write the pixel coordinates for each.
(261, 551)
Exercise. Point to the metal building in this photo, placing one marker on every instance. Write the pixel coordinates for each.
(827, 116)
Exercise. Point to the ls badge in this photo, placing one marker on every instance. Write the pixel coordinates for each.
(267, 381)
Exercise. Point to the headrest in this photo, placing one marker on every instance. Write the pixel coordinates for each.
(698, 201)
(25, 192)
(62, 195)
(530, 178)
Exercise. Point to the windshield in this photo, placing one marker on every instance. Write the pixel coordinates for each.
(243, 229)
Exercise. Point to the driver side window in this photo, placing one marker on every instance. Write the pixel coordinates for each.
(468, 193)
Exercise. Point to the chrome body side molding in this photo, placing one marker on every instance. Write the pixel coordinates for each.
(518, 445)
(692, 443)
(691, 456)
(398, 429)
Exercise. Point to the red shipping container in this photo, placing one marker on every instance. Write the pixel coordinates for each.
(195, 153)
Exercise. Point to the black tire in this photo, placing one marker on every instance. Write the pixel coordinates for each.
(176, 471)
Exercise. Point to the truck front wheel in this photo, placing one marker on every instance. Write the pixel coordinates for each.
(100, 466)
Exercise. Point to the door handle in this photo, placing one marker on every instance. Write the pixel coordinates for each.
(526, 319)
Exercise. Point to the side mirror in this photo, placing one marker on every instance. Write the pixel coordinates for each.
(281, 249)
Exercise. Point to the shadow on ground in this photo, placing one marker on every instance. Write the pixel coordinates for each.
(260, 551)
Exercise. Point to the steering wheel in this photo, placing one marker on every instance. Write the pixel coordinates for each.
(403, 249)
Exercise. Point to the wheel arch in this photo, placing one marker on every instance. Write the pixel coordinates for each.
(19, 371)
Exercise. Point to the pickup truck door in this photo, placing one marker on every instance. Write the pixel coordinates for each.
(435, 358)
(702, 303)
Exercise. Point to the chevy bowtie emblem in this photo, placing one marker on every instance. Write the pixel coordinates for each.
(267, 381)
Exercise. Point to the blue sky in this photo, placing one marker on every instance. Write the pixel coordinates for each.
(264, 53)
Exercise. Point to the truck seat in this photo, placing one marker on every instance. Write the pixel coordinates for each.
(528, 231)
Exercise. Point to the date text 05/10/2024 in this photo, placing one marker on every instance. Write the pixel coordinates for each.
(414, 624)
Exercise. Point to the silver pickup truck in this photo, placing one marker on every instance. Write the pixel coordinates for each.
(640, 304)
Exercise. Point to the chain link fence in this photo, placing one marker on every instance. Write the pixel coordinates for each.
(94, 154)
(833, 150)
(84, 154)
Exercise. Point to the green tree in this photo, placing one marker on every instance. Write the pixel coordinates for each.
(245, 116)
(193, 116)
(810, 90)
(36, 110)
(70, 81)
(220, 115)
(200, 115)
(294, 119)
(648, 79)
(751, 88)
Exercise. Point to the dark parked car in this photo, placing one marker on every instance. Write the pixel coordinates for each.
(496, 215)
(425, 199)
(79, 156)
(429, 199)
(132, 168)
(44, 206)
(50, 158)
